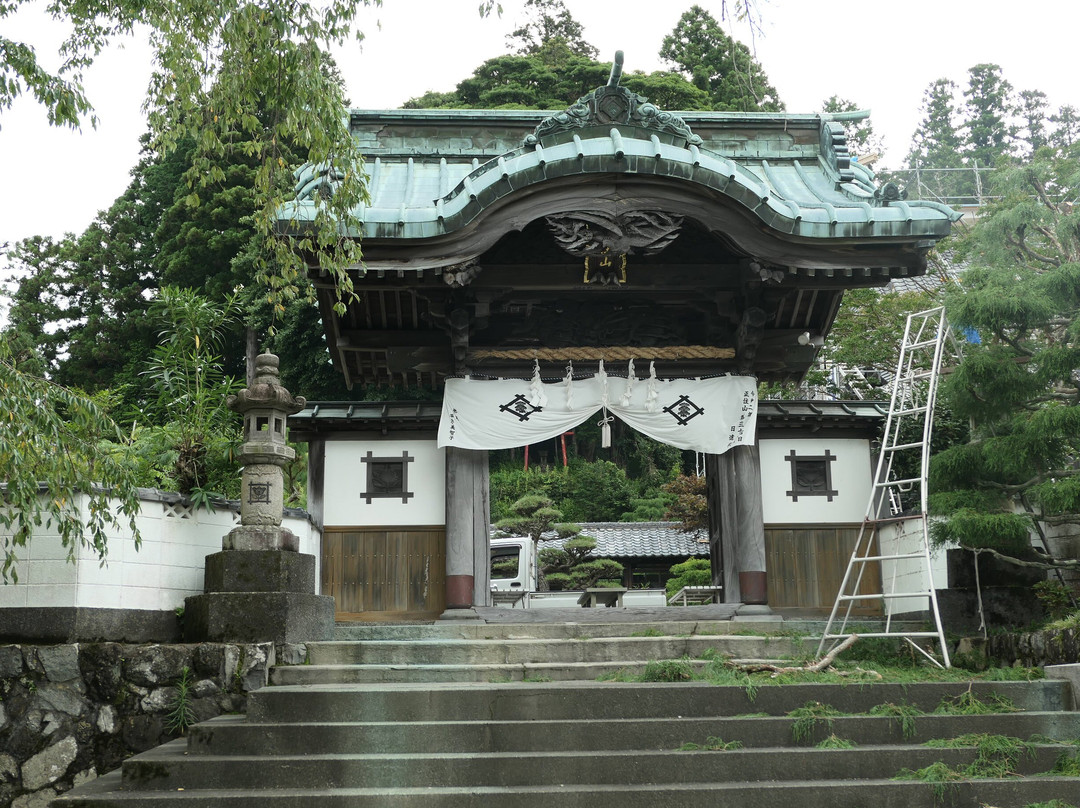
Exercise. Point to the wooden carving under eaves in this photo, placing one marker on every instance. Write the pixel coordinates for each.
(595, 233)
(612, 105)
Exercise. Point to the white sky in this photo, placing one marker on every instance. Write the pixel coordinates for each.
(881, 54)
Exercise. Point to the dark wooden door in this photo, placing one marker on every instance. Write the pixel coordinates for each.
(806, 566)
(385, 573)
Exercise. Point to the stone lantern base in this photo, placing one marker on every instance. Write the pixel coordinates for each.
(258, 596)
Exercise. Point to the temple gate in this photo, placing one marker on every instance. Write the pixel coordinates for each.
(609, 245)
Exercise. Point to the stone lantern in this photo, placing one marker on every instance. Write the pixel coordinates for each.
(260, 588)
(265, 406)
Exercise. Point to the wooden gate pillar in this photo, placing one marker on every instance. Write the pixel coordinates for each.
(467, 533)
(750, 552)
(737, 524)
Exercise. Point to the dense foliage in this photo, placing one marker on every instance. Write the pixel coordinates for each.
(1020, 384)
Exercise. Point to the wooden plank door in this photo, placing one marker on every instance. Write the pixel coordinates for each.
(805, 566)
(386, 573)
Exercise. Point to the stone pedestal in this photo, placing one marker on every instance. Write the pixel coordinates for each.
(259, 596)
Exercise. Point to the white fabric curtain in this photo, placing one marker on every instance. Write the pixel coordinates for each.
(704, 415)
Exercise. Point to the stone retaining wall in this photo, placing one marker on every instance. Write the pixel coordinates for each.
(71, 712)
(1035, 648)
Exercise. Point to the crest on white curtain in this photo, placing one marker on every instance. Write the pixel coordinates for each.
(704, 415)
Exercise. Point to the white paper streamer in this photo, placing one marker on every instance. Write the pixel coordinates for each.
(630, 379)
(569, 382)
(652, 393)
(537, 397)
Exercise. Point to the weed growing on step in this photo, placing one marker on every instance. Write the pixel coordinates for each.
(718, 672)
(648, 632)
(996, 756)
(940, 777)
(809, 717)
(967, 703)
(1068, 765)
(181, 714)
(903, 714)
(667, 670)
(712, 744)
(1051, 804)
(834, 741)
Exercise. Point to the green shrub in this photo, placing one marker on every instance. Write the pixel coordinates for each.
(692, 572)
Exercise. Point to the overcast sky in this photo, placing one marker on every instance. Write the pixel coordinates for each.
(881, 54)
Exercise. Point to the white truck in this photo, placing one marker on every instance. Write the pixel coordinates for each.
(514, 571)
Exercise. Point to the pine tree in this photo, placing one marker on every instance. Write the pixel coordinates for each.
(549, 20)
(719, 65)
(988, 111)
(1033, 105)
(1066, 127)
(1021, 384)
(937, 146)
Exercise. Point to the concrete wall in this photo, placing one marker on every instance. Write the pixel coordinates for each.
(900, 536)
(156, 576)
(851, 479)
(345, 483)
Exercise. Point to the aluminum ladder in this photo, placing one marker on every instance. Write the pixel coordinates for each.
(900, 484)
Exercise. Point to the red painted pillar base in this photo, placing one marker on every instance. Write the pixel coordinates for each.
(754, 588)
(459, 591)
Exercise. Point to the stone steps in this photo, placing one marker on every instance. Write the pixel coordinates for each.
(238, 736)
(1016, 793)
(323, 736)
(168, 768)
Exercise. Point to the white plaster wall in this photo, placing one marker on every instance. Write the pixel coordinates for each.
(899, 537)
(345, 481)
(851, 479)
(166, 568)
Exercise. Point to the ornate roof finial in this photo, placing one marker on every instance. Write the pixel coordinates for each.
(616, 70)
(612, 105)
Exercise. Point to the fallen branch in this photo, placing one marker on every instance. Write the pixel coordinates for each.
(823, 664)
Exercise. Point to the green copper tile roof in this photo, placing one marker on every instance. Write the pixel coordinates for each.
(433, 173)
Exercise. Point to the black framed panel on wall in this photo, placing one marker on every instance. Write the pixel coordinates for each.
(387, 477)
(811, 475)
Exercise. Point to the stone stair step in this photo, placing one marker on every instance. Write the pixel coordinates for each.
(568, 630)
(234, 735)
(464, 673)
(168, 767)
(531, 650)
(1015, 793)
(587, 700)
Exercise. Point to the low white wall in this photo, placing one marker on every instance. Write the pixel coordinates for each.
(166, 568)
(345, 484)
(898, 537)
(851, 479)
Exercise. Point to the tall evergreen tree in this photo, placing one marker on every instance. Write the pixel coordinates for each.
(1021, 383)
(1032, 108)
(549, 20)
(721, 66)
(988, 112)
(1066, 127)
(937, 146)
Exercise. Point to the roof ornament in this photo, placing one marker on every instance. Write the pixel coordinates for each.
(890, 192)
(610, 105)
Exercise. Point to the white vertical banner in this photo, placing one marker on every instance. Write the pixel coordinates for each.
(704, 415)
